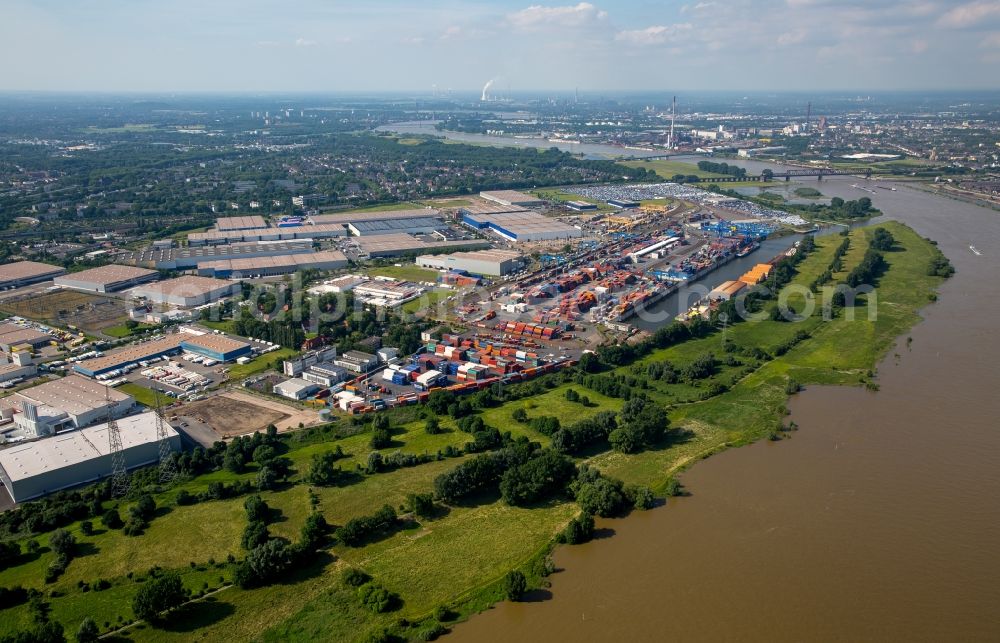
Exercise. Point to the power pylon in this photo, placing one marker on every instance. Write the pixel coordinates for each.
(168, 468)
(121, 483)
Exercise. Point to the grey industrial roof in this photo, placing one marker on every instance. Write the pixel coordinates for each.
(14, 334)
(67, 449)
(216, 252)
(397, 224)
(372, 215)
(132, 353)
(240, 223)
(73, 394)
(184, 286)
(280, 261)
(110, 274)
(26, 270)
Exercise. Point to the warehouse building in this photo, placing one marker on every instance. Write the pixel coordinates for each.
(240, 223)
(40, 467)
(129, 355)
(270, 266)
(294, 367)
(191, 257)
(295, 388)
(345, 218)
(580, 206)
(12, 335)
(489, 207)
(186, 291)
(726, 290)
(69, 402)
(286, 233)
(522, 226)
(18, 366)
(217, 347)
(108, 278)
(412, 225)
(389, 245)
(326, 374)
(512, 197)
(385, 291)
(356, 361)
(25, 273)
(494, 263)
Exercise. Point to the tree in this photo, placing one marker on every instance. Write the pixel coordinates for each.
(323, 472)
(381, 437)
(314, 531)
(579, 530)
(267, 479)
(421, 504)
(432, 426)
(87, 632)
(9, 553)
(539, 477)
(602, 497)
(112, 519)
(257, 509)
(144, 508)
(263, 564)
(623, 441)
(157, 595)
(514, 585)
(882, 239)
(63, 544)
(254, 535)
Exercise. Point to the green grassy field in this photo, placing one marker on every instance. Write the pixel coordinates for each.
(261, 363)
(428, 300)
(408, 272)
(667, 168)
(459, 558)
(123, 331)
(142, 394)
(447, 203)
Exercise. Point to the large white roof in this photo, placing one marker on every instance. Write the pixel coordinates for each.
(67, 449)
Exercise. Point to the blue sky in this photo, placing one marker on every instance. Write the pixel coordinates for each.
(331, 45)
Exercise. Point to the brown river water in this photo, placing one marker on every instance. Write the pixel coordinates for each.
(879, 520)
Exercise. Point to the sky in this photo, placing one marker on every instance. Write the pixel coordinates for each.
(330, 46)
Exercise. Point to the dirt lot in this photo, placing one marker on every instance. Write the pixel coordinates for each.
(62, 307)
(234, 413)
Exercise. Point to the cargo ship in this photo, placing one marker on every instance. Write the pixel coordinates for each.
(641, 298)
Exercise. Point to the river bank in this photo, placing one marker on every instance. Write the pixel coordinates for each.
(874, 522)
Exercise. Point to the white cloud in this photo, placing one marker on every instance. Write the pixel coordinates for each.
(454, 31)
(574, 16)
(792, 37)
(655, 35)
(918, 46)
(991, 41)
(303, 42)
(970, 14)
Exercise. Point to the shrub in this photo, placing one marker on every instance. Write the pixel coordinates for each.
(421, 504)
(514, 585)
(112, 519)
(184, 497)
(579, 530)
(254, 535)
(157, 595)
(354, 577)
(87, 632)
(257, 510)
(376, 598)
